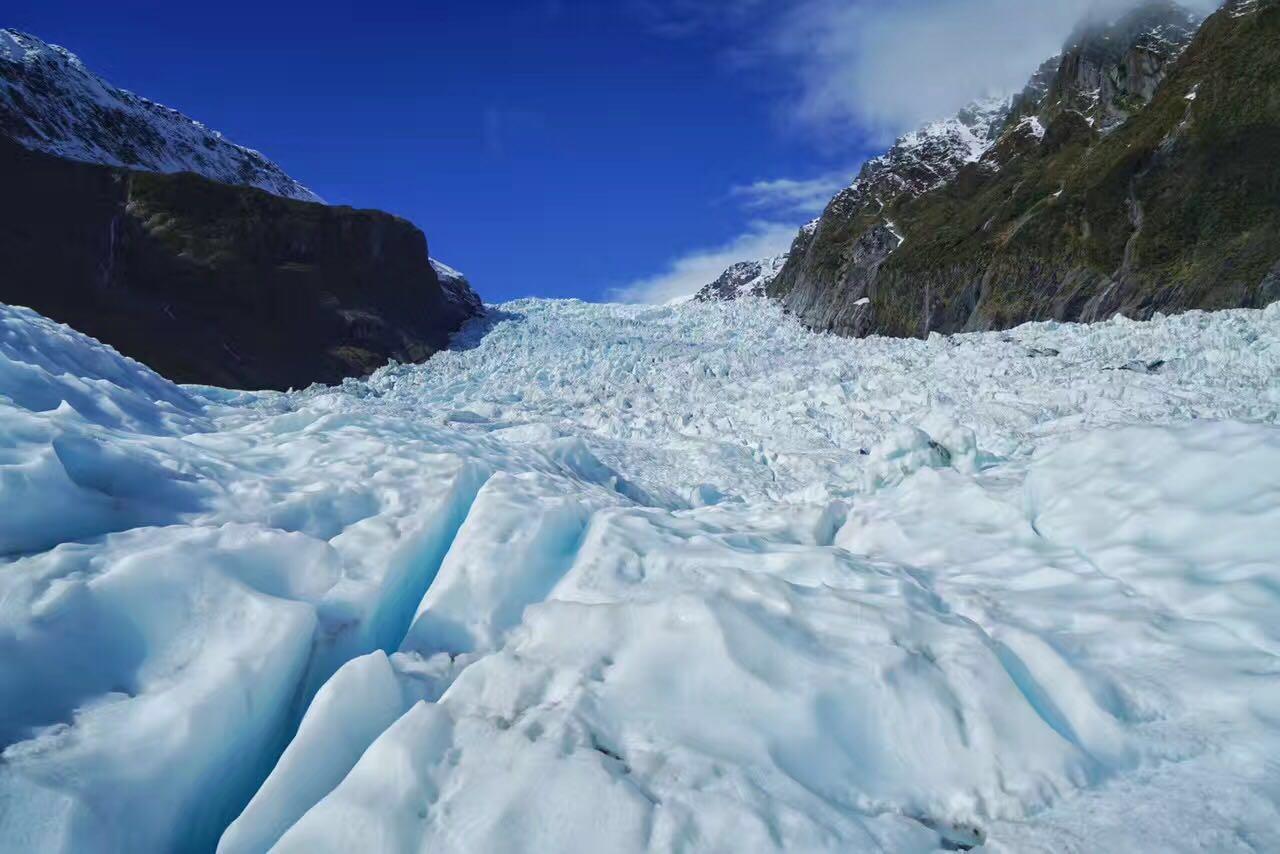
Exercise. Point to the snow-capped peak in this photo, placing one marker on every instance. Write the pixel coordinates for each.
(744, 279)
(928, 157)
(51, 102)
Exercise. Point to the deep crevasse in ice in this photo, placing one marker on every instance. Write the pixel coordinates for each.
(617, 578)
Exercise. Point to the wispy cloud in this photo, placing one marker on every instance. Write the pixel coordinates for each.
(801, 196)
(861, 70)
(884, 68)
(687, 273)
(777, 206)
(870, 69)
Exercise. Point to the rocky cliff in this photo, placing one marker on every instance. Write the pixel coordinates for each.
(197, 256)
(218, 284)
(1135, 174)
(457, 288)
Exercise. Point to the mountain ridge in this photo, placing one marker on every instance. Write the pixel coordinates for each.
(51, 102)
(745, 278)
(1105, 187)
(199, 257)
(219, 284)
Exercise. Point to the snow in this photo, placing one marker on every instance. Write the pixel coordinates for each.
(1033, 125)
(55, 104)
(1242, 8)
(629, 578)
(893, 229)
(444, 271)
(456, 288)
(743, 279)
(769, 268)
(928, 157)
(940, 148)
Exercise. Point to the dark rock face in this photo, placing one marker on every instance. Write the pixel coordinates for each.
(218, 284)
(1110, 71)
(1135, 174)
(457, 289)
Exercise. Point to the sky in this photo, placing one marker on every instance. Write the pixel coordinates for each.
(599, 149)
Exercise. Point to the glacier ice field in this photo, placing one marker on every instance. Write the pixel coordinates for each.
(623, 578)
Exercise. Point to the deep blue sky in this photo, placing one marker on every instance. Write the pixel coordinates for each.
(553, 148)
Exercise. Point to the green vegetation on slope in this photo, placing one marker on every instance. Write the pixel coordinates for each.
(1177, 207)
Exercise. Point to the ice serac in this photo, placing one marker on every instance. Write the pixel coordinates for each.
(607, 579)
(530, 523)
(215, 606)
(365, 697)
(1132, 175)
(51, 102)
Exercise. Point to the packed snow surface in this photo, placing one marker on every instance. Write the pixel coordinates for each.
(611, 578)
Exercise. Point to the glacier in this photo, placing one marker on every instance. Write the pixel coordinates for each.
(634, 578)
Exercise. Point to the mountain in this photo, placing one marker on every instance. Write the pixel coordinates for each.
(218, 284)
(457, 288)
(198, 257)
(746, 278)
(50, 102)
(1134, 174)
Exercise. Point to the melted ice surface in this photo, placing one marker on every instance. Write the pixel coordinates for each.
(638, 579)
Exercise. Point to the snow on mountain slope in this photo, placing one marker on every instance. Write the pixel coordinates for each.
(456, 287)
(743, 279)
(49, 101)
(931, 155)
(647, 579)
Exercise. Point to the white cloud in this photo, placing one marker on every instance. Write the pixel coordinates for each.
(878, 68)
(774, 199)
(864, 70)
(686, 274)
(884, 68)
(806, 197)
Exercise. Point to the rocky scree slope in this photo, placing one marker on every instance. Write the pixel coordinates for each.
(49, 101)
(1135, 174)
(207, 278)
